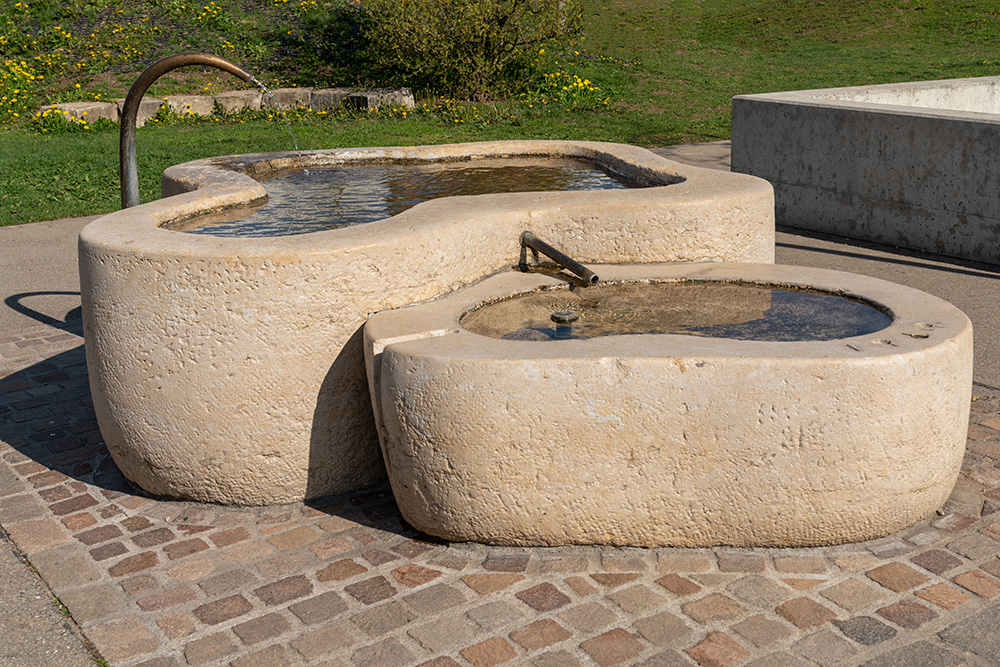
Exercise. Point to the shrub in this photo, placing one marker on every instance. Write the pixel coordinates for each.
(474, 49)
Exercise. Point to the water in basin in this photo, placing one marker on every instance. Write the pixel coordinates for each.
(742, 311)
(337, 196)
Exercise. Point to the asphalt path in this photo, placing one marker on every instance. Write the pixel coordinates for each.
(33, 632)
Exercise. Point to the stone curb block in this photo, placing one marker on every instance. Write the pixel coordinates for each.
(375, 98)
(88, 111)
(147, 109)
(238, 100)
(183, 105)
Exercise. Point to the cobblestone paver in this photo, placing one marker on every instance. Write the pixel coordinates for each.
(345, 582)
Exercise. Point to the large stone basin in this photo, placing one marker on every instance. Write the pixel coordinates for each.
(666, 439)
(231, 369)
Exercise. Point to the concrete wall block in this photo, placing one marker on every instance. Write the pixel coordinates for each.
(238, 100)
(286, 98)
(183, 105)
(148, 107)
(377, 97)
(911, 164)
(328, 98)
(88, 111)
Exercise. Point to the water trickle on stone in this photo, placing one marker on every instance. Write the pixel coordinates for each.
(712, 309)
(336, 196)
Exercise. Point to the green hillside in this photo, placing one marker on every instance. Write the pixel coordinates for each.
(647, 72)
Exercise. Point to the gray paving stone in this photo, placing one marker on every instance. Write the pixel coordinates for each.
(975, 547)
(588, 617)
(65, 567)
(666, 659)
(637, 600)
(892, 549)
(383, 618)
(854, 595)
(322, 642)
(556, 659)
(495, 615)
(10, 483)
(319, 608)
(92, 603)
(779, 660)
(979, 634)
(564, 563)
(15, 509)
(825, 648)
(663, 629)
(228, 582)
(916, 655)
(162, 661)
(388, 653)
(866, 630)
(966, 498)
(713, 579)
(758, 591)
(763, 631)
(435, 599)
(450, 633)
(275, 655)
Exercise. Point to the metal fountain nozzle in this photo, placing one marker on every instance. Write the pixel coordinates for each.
(127, 170)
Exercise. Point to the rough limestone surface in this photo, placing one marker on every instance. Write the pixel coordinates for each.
(232, 369)
(672, 440)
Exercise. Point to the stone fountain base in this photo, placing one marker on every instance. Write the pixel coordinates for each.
(231, 370)
(672, 440)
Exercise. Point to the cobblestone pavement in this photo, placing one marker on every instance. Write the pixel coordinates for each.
(345, 582)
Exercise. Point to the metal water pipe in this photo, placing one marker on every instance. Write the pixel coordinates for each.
(128, 171)
(529, 240)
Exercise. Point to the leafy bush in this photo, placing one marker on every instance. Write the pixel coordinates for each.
(475, 49)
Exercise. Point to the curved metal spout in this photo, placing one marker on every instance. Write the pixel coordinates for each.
(529, 240)
(127, 169)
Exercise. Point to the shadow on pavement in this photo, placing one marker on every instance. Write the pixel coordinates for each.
(47, 415)
(71, 323)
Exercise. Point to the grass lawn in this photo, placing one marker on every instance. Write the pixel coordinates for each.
(667, 71)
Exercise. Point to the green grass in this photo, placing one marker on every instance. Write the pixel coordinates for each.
(670, 70)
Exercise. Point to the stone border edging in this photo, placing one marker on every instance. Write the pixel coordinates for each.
(317, 99)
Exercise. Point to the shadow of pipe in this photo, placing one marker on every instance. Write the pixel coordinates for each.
(72, 322)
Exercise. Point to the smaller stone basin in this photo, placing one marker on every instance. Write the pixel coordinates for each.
(715, 309)
(685, 420)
